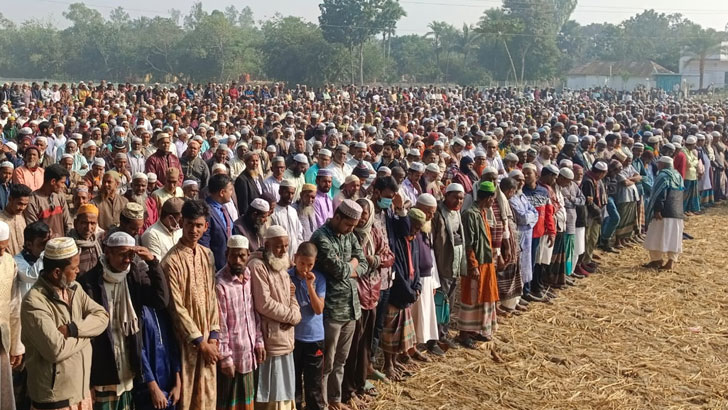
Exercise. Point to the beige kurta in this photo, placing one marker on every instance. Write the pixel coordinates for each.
(109, 210)
(17, 226)
(191, 276)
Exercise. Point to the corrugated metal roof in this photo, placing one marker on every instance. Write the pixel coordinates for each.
(620, 68)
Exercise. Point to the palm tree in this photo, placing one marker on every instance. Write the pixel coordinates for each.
(437, 29)
(498, 26)
(700, 44)
(466, 42)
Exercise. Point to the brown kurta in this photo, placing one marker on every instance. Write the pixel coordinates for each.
(53, 210)
(17, 226)
(109, 210)
(191, 276)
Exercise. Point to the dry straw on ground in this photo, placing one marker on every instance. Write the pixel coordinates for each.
(625, 338)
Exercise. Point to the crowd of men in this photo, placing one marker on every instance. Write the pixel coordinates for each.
(274, 248)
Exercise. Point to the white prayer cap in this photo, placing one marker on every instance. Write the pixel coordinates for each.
(301, 158)
(515, 173)
(99, 162)
(572, 139)
(511, 157)
(278, 160)
(271, 148)
(219, 166)
(670, 145)
(551, 168)
(701, 137)
(325, 153)
(152, 177)
(531, 166)
(189, 182)
(417, 167)
(454, 187)
(4, 231)
(601, 166)
(350, 209)
(691, 140)
(479, 153)
(60, 248)
(489, 170)
(459, 141)
(88, 144)
(260, 204)
(7, 164)
(567, 173)
(665, 160)
(426, 200)
(64, 156)
(276, 231)
(432, 167)
(414, 152)
(139, 175)
(677, 139)
(44, 140)
(287, 183)
(119, 238)
(384, 170)
(566, 163)
(136, 139)
(238, 242)
(360, 144)
(26, 131)
(13, 146)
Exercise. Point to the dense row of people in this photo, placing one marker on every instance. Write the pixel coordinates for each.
(226, 249)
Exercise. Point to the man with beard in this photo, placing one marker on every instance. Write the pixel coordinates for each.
(190, 189)
(48, 204)
(252, 224)
(165, 233)
(284, 215)
(273, 182)
(193, 167)
(122, 288)
(162, 160)
(30, 173)
(6, 174)
(138, 193)
(170, 189)
(349, 190)
(322, 204)
(275, 301)
(296, 173)
(306, 213)
(249, 185)
(341, 260)
(88, 236)
(57, 342)
(241, 336)
(109, 202)
(220, 223)
(189, 269)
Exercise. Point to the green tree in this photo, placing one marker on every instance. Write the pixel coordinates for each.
(701, 43)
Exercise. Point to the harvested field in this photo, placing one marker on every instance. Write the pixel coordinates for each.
(625, 338)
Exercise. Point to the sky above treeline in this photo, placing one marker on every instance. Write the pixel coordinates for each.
(708, 13)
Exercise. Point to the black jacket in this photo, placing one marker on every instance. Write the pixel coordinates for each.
(146, 289)
(246, 191)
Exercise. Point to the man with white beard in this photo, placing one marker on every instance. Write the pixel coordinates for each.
(138, 193)
(274, 296)
(306, 213)
(285, 215)
(252, 224)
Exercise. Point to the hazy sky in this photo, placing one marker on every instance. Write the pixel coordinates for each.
(710, 13)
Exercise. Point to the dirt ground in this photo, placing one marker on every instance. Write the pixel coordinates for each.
(625, 338)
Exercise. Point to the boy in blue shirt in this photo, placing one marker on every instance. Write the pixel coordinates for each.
(308, 353)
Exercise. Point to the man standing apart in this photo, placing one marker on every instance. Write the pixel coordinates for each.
(189, 268)
(275, 301)
(664, 216)
(241, 337)
(58, 322)
(341, 259)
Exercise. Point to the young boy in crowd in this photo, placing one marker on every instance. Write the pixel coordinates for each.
(308, 352)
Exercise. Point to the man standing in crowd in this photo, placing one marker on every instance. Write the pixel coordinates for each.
(12, 215)
(48, 204)
(162, 160)
(249, 185)
(165, 233)
(190, 270)
(664, 217)
(275, 301)
(58, 322)
(109, 202)
(341, 260)
(284, 215)
(122, 288)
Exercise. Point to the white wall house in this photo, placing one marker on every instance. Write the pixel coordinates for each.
(715, 72)
(618, 75)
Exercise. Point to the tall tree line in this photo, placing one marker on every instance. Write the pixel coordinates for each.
(354, 41)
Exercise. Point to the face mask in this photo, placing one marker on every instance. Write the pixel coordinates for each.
(384, 203)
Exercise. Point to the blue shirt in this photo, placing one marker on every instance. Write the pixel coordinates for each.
(311, 327)
(160, 359)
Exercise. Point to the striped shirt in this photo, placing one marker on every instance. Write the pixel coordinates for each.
(240, 327)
